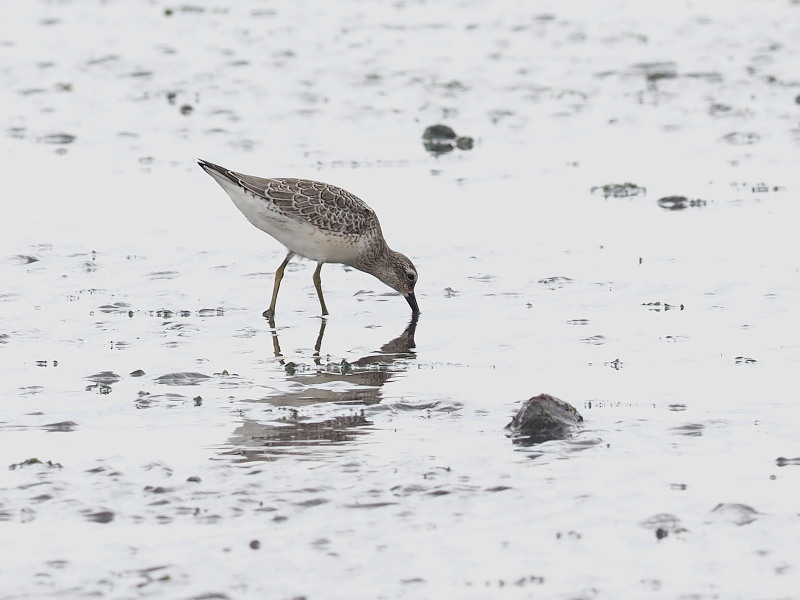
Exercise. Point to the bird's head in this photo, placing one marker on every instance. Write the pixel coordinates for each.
(400, 274)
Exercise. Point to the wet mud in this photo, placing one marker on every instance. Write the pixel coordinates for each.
(601, 203)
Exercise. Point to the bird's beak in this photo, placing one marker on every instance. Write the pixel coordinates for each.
(412, 302)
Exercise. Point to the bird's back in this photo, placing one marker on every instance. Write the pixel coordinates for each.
(325, 206)
(313, 219)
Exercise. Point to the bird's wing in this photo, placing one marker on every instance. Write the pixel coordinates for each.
(325, 206)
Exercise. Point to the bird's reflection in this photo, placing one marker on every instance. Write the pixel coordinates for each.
(372, 370)
(293, 430)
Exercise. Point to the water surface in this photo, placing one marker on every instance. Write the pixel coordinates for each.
(188, 449)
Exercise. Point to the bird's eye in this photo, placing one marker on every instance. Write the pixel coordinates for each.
(411, 276)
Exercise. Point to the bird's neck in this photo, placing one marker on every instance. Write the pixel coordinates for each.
(375, 259)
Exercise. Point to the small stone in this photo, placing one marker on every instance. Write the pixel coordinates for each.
(439, 139)
(439, 132)
(465, 143)
(544, 418)
(673, 202)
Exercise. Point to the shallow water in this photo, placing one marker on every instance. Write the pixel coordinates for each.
(196, 452)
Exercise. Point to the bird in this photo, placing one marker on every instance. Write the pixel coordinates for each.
(320, 222)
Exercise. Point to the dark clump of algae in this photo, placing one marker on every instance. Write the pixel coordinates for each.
(35, 461)
(619, 190)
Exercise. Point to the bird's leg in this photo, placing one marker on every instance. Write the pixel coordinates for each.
(318, 285)
(270, 312)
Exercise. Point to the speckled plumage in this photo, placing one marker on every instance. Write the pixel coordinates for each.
(324, 206)
(318, 221)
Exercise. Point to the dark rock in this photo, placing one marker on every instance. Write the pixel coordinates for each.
(544, 418)
(465, 143)
(439, 132)
(440, 139)
(673, 202)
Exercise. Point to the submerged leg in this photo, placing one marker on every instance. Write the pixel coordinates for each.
(270, 312)
(318, 285)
